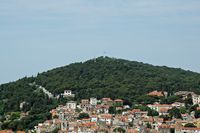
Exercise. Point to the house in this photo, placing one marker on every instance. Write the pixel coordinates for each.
(71, 105)
(149, 120)
(72, 127)
(139, 113)
(164, 128)
(158, 107)
(93, 101)
(106, 118)
(119, 101)
(136, 114)
(178, 104)
(102, 109)
(47, 126)
(64, 125)
(68, 93)
(196, 99)
(157, 93)
(107, 101)
(68, 115)
(85, 105)
(61, 115)
(184, 94)
(89, 127)
(164, 111)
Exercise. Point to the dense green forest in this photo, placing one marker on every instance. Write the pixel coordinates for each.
(99, 77)
(110, 77)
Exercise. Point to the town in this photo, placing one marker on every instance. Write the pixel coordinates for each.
(108, 115)
(112, 115)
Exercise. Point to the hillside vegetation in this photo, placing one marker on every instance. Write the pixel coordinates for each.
(110, 77)
(100, 77)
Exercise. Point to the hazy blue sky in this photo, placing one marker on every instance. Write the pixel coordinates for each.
(37, 35)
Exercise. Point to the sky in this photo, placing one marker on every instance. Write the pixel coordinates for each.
(38, 35)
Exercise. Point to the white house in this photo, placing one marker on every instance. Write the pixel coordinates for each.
(159, 107)
(196, 99)
(71, 105)
(107, 118)
(68, 93)
(93, 101)
(64, 125)
(178, 104)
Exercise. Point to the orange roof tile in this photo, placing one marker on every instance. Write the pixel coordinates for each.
(107, 116)
(189, 128)
(135, 110)
(161, 105)
(164, 110)
(21, 132)
(6, 131)
(118, 100)
(132, 131)
(156, 93)
(107, 99)
(89, 124)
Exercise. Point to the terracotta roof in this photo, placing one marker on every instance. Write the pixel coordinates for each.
(118, 100)
(132, 131)
(150, 119)
(189, 128)
(92, 116)
(156, 93)
(106, 116)
(89, 124)
(163, 110)
(6, 131)
(107, 99)
(135, 110)
(164, 126)
(85, 119)
(102, 106)
(160, 105)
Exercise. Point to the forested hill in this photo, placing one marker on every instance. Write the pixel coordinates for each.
(100, 77)
(110, 77)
